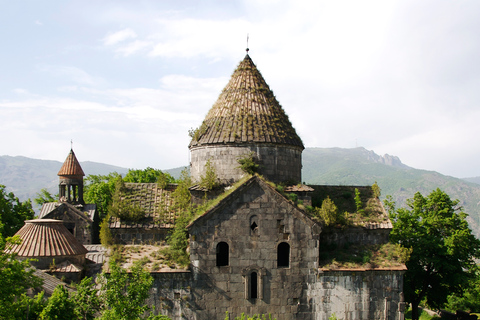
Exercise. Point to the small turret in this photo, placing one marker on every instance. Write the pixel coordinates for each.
(71, 181)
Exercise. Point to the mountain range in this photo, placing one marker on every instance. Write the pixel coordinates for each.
(25, 177)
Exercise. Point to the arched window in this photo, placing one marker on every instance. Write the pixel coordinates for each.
(283, 255)
(253, 285)
(222, 254)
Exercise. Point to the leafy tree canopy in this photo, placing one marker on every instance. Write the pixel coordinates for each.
(443, 248)
(125, 293)
(149, 175)
(44, 196)
(13, 212)
(15, 278)
(99, 189)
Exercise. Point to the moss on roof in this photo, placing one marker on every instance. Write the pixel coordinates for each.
(246, 112)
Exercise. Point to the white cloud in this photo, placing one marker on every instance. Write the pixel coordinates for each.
(119, 36)
(71, 73)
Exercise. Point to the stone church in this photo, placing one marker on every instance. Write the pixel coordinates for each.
(259, 250)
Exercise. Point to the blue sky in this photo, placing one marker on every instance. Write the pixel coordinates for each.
(127, 79)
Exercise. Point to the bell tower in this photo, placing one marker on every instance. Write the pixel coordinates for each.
(71, 180)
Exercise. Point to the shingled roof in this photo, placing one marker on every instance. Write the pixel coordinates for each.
(46, 238)
(246, 112)
(71, 167)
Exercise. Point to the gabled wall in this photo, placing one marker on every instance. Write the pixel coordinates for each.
(281, 291)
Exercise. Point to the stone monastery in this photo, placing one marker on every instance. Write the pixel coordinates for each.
(258, 250)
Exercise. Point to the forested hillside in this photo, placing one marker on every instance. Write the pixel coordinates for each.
(358, 166)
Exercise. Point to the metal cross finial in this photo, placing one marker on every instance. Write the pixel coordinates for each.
(247, 44)
(71, 144)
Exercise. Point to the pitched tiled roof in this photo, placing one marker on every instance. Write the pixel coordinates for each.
(46, 238)
(246, 111)
(71, 167)
(50, 282)
(154, 200)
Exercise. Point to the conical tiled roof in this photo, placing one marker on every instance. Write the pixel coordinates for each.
(71, 166)
(46, 238)
(246, 112)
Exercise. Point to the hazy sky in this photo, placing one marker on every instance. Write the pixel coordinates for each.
(127, 79)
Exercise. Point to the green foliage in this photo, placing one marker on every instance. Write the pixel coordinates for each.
(99, 189)
(121, 208)
(390, 205)
(292, 197)
(329, 214)
(44, 196)
(443, 248)
(15, 278)
(333, 317)
(209, 181)
(13, 212)
(106, 238)
(376, 190)
(181, 196)
(149, 175)
(178, 239)
(60, 306)
(254, 317)
(358, 202)
(469, 300)
(86, 299)
(28, 308)
(125, 293)
(248, 164)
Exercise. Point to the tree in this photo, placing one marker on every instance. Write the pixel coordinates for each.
(124, 294)
(15, 278)
(60, 306)
(328, 212)
(443, 248)
(248, 164)
(210, 180)
(149, 175)
(13, 212)
(99, 189)
(44, 196)
(86, 299)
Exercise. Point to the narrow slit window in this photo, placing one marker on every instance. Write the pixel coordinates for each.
(222, 254)
(253, 285)
(253, 225)
(283, 255)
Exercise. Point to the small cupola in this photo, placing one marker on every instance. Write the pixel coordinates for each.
(71, 180)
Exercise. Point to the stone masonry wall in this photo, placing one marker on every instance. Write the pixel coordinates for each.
(278, 163)
(281, 290)
(139, 235)
(356, 235)
(350, 295)
(171, 295)
(358, 295)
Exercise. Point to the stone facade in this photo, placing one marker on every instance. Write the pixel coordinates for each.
(357, 294)
(258, 276)
(256, 253)
(278, 163)
(80, 220)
